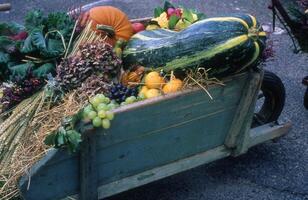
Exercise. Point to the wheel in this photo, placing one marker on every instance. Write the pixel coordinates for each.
(270, 101)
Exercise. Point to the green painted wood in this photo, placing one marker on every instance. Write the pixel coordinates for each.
(245, 110)
(161, 172)
(182, 124)
(52, 181)
(267, 132)
(88, 167)
(243, 136)
(135, 156)
(168, 112)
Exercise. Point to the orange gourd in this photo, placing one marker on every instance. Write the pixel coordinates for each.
(113, 17)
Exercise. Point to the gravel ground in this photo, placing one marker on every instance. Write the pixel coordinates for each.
(271, 171)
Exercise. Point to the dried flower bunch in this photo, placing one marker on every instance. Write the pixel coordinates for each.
(15, 92)
(93, 58)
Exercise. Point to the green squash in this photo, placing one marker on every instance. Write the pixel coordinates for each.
(224, 44)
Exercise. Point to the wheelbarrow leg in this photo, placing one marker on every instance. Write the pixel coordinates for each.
(88, 168)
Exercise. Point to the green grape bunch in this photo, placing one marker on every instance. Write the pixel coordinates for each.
(99, 111)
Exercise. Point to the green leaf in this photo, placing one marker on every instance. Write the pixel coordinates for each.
(44, 70)
(27, 46)
(168, 5)
(158, 11)
(6, 43)
(173, 21)
(50, 139)
(54, 49)
(34, 19)
(20, 70)
(187, 14)
(4, 57)
(61, 22)
(38, 40)
(11, 28)
(74, 139)
(60, 140)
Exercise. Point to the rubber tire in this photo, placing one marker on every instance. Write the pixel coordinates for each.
(274, 99)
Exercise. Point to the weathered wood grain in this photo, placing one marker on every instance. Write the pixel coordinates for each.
(245, 110)
(88, 180)
(151, 140)
(243, 136)
(267, 132)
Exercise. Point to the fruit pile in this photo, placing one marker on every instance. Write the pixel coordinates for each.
(174, 18)
(156, 85)
(99, 111)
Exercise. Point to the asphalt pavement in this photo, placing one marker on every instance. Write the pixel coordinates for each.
(271, 171)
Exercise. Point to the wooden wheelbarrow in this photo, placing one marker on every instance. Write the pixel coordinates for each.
(154, 139)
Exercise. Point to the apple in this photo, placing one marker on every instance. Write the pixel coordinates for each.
(137, 27)
(170, 11)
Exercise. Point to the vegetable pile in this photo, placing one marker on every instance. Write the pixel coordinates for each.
(60, 72)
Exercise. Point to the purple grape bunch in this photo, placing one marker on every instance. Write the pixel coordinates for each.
(119, 93)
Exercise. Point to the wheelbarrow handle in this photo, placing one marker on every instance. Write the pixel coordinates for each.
(5, 6)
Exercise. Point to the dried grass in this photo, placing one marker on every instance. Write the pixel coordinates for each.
(31, 147)
(200, 78)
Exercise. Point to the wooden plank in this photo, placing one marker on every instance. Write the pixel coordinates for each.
(166, 113)
(267, 132)
(49, 182)
(134, 156)
(247, 97)
(161, 172)
(88, 168)
(242, 143)
(134, 144)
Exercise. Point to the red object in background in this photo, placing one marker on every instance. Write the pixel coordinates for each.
(137, 27)
(177, 12)
(20, 36)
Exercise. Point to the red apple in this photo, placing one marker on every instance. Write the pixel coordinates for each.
(170, 11)
(137, 27)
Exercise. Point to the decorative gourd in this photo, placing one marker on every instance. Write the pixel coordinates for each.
(172, 86)
(154, 81)
(109, 19)
(224, 44)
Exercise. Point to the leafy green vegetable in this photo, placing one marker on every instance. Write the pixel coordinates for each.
(66, 135)
(4, 57)
(38, 40)
(158, 11)
(11, 28)
(173, 21)
(74, 138)
(20, 70)
(43, 43)
(34, 19)
(6, 43)
(61, 22)
(27, 46)
(188, 15)
(44, 70)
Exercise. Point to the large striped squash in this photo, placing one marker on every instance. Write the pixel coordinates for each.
(225, 44)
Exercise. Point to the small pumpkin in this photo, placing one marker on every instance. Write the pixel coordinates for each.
(143, 91)
(108, 19)
(173, 85)
(153, 80)
(151, 93)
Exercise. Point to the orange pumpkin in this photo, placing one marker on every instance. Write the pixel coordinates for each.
(111, 17)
